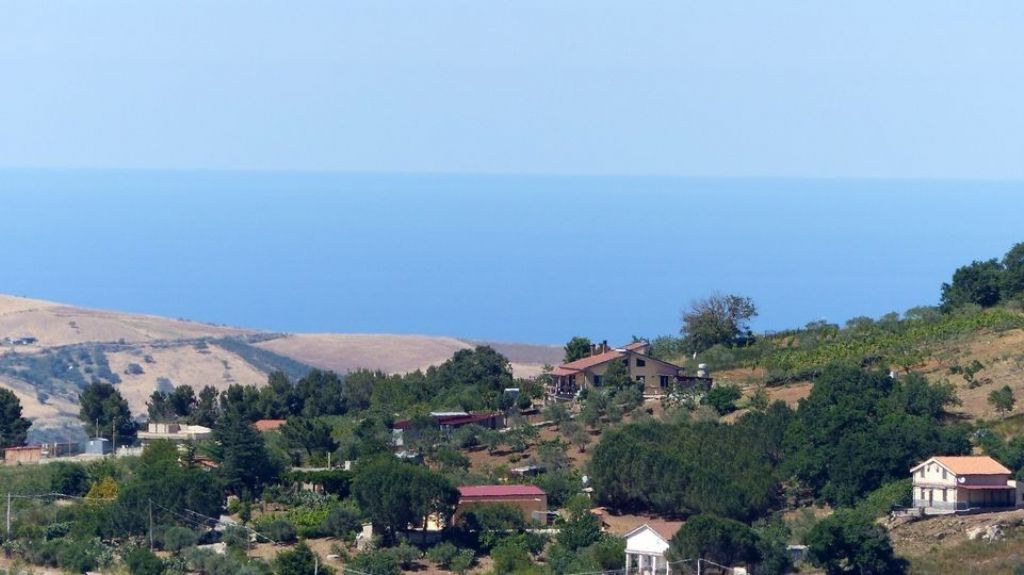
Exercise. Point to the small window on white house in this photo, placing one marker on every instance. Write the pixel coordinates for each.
(943, 476)
(943, 494)
(920, 472)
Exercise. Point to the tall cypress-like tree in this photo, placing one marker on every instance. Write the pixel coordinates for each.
(245, 463)
(13, 427)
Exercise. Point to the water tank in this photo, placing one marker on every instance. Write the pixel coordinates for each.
(702, 370)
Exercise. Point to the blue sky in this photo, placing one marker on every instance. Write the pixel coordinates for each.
(795, 89)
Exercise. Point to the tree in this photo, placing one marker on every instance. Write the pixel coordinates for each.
(557, 414)
(616, 375)
(577, 348)
(182, 400)
(158, 408)
(717, 319)
(13, 427)
(299, 561)
(245, 463)
(860, 428)
(69, 479)
(395, 494)
(141, 561)
(206, 410)
(102, 405)
(723, 398)
(311, 435)
(714, 538)
(978, 283)
(849, 543)
(582, 528)
(378, 562)
(1002, 399)
(1013, 272)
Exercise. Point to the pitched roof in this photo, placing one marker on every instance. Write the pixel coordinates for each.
(636, 345)
(969, 465)
(500, 491)
(584, 363)
(665, 529)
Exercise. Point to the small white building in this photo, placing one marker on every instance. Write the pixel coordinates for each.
(175, 432)
(951, 484)
(646, 547)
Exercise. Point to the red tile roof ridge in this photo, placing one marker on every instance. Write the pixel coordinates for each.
(499, 490)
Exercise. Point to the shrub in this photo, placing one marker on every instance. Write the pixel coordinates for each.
(69, 479)
(142, 561)
(134, 369)
(381, 562)
(177, 538)
(342, 521)
(442, 554)
(280, 530)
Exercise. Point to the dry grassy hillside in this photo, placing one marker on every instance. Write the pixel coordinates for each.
(399, 353)
(47, 373)
(54, 325)
(1000, 354)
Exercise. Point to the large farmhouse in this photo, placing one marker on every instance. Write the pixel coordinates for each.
(950, 484)
(657, 376)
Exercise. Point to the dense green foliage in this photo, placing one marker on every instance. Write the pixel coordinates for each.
(846, 542)
(717, 320)
(577, 348)
(395, 494)
(859, 429)
(104, 412)
(727, 470)
(986, 283)
(13, 427)
(723, 541)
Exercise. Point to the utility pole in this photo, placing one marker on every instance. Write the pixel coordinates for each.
(150, 524)
(8, 514)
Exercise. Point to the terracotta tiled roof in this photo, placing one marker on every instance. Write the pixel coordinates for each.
(968, 465)
(973, 465)
(500, 491)
(593, 360)
(637, 345)
(268, 424)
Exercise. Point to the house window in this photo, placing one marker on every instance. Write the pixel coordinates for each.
(641, 379)
(943, 494)
(640, 362)
(664, 381)
(921, 473)
(597, 380)
(943, 473)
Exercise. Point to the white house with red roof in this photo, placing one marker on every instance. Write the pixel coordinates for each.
(647, 545)
(959, 483)
(657, 376)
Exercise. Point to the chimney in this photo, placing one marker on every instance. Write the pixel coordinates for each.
(604, 346)
(593, 349)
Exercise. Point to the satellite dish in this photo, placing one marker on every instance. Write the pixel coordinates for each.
(961, 479)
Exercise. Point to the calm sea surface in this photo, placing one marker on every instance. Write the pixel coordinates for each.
(514, 258)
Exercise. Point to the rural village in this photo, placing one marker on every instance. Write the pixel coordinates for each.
(639, 458)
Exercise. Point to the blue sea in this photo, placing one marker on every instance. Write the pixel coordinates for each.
(507, 258)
